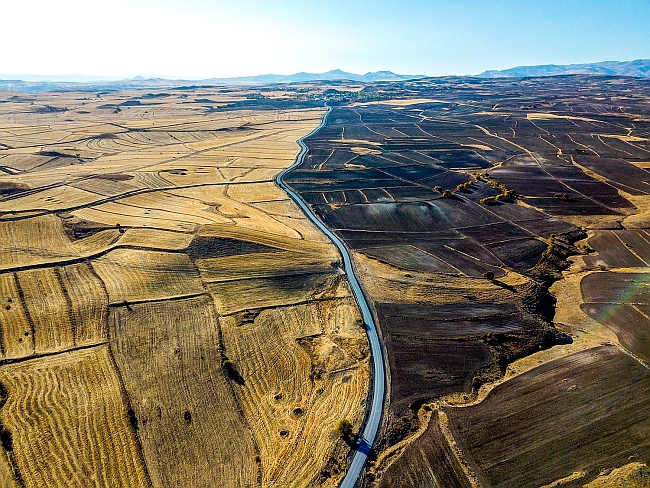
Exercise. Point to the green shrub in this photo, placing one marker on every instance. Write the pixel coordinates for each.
(344, 428)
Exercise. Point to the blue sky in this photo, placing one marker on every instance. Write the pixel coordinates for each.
(215, 38)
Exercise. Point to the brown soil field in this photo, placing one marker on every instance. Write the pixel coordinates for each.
(168, 315)
(499, 176)
(430, 462)
(586, 412)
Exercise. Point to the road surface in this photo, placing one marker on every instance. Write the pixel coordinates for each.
(376, 351)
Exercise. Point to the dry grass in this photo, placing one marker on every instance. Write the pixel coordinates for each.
(17, 335)
(168, 354)
(48, 310)
(94, 264)
(32, 241)
(77, 432)
(134, 275)
(88, 303)
(304, 369)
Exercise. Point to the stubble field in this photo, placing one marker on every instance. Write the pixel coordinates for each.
(168, 316)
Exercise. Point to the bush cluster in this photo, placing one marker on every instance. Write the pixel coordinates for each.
(505, 195)
(445, 193)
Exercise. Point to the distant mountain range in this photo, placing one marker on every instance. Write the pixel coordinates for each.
(332, 75)
(34, 84)
(639, 68)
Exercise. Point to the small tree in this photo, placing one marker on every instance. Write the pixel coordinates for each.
(344, 428)
(489, 275)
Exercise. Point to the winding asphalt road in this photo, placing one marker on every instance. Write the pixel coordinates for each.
(377, 404)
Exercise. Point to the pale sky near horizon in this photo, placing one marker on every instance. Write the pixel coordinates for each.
(221, 38)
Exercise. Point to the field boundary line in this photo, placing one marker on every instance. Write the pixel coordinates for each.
(51, 353)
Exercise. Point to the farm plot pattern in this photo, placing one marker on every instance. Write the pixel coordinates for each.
(168, 316)
(462, 201)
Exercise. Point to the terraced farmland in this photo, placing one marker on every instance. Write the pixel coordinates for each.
(168, 316)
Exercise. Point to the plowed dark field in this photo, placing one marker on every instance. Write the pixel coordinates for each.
(501, 177)
(621, 301)
(585, 412)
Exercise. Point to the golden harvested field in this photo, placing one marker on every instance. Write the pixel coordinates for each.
(77, 432)
(168, 316)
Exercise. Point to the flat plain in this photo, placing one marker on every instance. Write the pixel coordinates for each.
(169, 317)
(500, 230)
(463, 201)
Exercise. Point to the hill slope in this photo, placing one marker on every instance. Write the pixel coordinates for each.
(638, 68)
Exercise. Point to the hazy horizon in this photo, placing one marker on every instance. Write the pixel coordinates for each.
(83, 78)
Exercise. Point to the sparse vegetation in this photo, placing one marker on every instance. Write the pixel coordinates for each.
(344, 428)
(119, 267)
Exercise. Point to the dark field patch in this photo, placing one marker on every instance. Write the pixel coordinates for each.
(460, 158)
(469, 247)
(513, 212)
(116, 176)
(463, 213)
(613, 251)
(414, 173)
(412, 193)
(449, 180)
(391, 217)
(575, 205)
(429, 368)
(467, 264)
(445, 322)
(627, 175)
(427, 462)
(377, 195)
(372, 161)
(630, 325)
(9, 188)
(608, 287)
(76, 228)
(204, 247)
(342, 185)
(520, 254)
(601, 193)
(489, 234)
(409, 257)
(547, 226)
(363, 238)
(314, 177)
(588, 411)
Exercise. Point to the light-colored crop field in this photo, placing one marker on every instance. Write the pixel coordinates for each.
(302, 370)
(134, 275)
(168, 316)
(170, 358)
(48, 310)
(77, 431)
